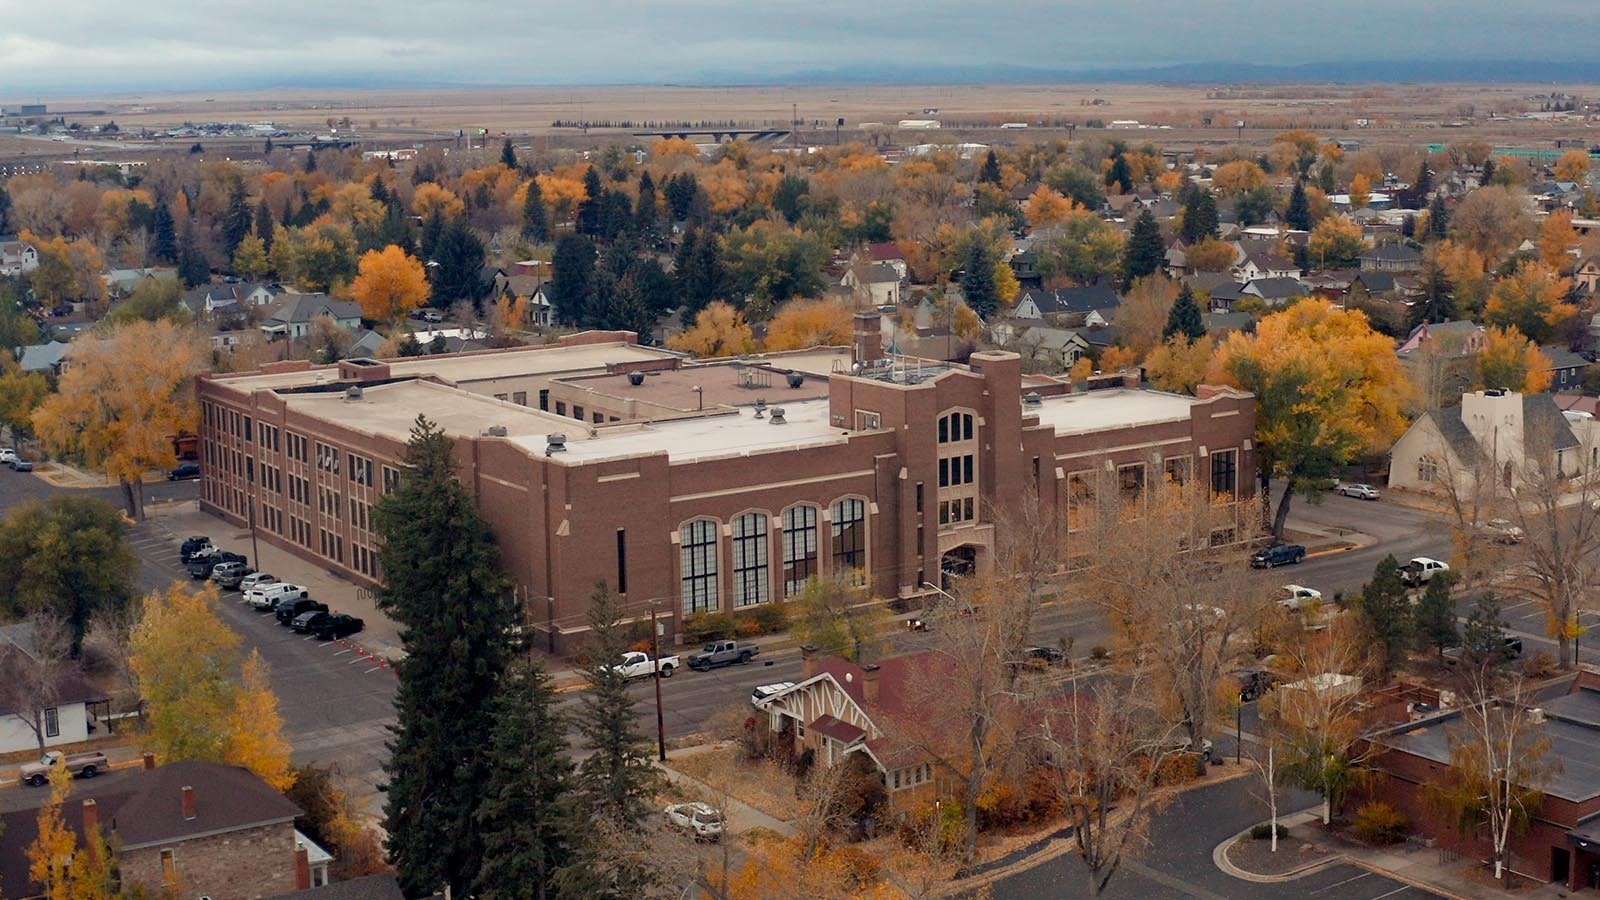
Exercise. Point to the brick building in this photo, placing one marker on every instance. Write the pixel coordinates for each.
(709, 487)
(196, 829)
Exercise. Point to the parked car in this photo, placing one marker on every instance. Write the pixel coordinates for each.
(7, 456)
(1501, 531)
(256, 579)
(307, 622)
(635, 664)
(1510, 648)
(723, 653)
(288, 610)
(698, 819)
(201, 566)
(229, 575)
(186, 471)
(195, 545)
(21, 465)
(82, 765)
(1277, 555)
(765, 692)
(1359, 491)
(1297, 597)
(1043, 657)
(1254, 683)
(266, 596)
(337, 626)
(1421, 570)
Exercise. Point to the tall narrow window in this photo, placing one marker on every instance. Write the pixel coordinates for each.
(850, 540)
(622, 560)
(751, 581)
(1224, 473)
(799, 547)
(52, 722)
(699, 540)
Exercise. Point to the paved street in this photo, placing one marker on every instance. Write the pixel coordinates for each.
(1179, 863)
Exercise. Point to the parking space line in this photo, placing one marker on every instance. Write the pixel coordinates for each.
(1403, 887)
(341, 652)
(1338, 883)
(373, 669)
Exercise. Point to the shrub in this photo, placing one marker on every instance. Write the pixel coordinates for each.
(772, 616)
(1263, 830)
(862, 868)
(1099, 651)
(702, 627)
(1001, 806)
(1538, 666)
(748, 626)
(1381, 823)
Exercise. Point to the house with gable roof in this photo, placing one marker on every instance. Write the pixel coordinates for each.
(1488, 440)
(17, 256)
(292, 317)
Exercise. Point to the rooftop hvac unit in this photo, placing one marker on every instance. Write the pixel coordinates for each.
(555, 443)
(353, 392)
(777, 416)
(796, 379)
(636, 378)
(497, 431)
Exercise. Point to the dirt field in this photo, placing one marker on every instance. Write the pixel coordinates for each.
(1195, 114)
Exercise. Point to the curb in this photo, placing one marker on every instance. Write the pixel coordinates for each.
(1219, 856)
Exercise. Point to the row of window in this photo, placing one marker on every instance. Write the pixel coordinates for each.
(1131, 482)
(700, 554)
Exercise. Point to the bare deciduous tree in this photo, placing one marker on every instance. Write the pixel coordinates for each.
(32, 676)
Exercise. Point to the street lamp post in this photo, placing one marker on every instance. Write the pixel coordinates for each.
(255, 551)
(655, 653)
(1238, 730)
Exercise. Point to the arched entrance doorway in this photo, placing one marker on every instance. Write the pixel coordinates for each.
(956, 563)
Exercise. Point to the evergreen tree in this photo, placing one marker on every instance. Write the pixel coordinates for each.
(593, 202)
(682, 261)
(527, 816)
(1424, 185)
(1436, 616)
(1325, 181)
(655, 287)
(5, 209)
(535, 217)
(443, 585)
(432, 227)
(645, 216)
(508, 155)
(311, 160)
(379, 191)
(977, 280)
(1199, 218)
(1144, 252)
(1385, 611)
(1184, 318)
(236, 221)
(266, 148)
(1488, 172)
(1483, 642)
(459, 273)
(682, 192)
(573, 279)
(192, 265)
(1298, 215)
(1437, 303)
(616, 216)
(163, 235)
(789, 197)
(990, 173)
(1438, 217)
(264, 225)
(707, 276)
(1120, 175)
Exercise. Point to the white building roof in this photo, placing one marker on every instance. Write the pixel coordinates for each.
(1108, 409)
(703, 437)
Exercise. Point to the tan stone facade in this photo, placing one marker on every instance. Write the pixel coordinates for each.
(237, 865)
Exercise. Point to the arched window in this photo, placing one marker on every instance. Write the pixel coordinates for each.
(850, 540)
(751, 581)
(958, 469)
(799, 548)
(698, 540)
(955, 427)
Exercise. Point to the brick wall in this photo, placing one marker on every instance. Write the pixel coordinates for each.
(240, 865)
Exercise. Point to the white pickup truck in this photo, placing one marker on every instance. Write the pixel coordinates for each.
(1421, 570)
(634, 664)
(81, 765)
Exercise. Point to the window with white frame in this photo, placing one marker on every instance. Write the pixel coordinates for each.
(699, 552)
(799, 548)
(958, 469)
(850, 540)
(751, 573)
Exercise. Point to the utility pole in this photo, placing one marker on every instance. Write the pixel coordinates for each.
(255, 552)
(655, 654)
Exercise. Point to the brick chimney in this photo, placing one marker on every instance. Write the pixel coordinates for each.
(867, 339)
(302, 868)
(869, 683)
(91, 816)
(189, 811)
(808, 660)
(149, 761)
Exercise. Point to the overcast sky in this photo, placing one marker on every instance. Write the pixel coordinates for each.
(58, 46)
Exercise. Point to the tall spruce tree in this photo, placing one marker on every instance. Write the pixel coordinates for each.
(527, 816)
(707, 276)
(1483, 644)
(573, 278)
(1298, 215)
(5, 209)
(192, 265)
(990, 173)
(443, 585)
(1325, 179)
(645, 216)
(163, 235)
(459, 273)
(535, 217)
(508, 155)
(977, 282)
(1385, 612)
(264, 225)
(236, 221)
(1436, 616)
(590, 210)
(1184, 318)
(1437, 302)
(1199, 217)
(1424, 185)
(1438, 218)
(1144, 253)
(1119, 174)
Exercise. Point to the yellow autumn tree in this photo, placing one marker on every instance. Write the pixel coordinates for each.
(126, 395)
(50, 854)
(1179, 366)
(1463, 268)
(430, 198)
(1360, 191)
(1210, 255)
(389, 284)
(1237, 177)
(810, 323)
(1048, 207)
(250, 259)
(1510, 360)
(719, 330)
(1081, 370)
(1143, 315)
(187, 664)
(1573, 166)
(1118, 359)
(1335, 243)
(1557, 240)
(667, 148)
(1530, 300)
(1328, 388)
(562, 193)
(255, 728)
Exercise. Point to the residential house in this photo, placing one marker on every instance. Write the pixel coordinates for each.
(121, 282)
(17, 257)
(1224, 294)
(1440, 358)
(1586, 277)
(531, 289)
(1094, 304)
(875, 284)
(1050, 350)
(228, 298)
(1274, 291)
(1487, 442)
(1220, 325)
(65, 721)
(1177, 258)
(1025, 267)
(1391, 258)
(1562, 841)
(1265, 264)
(886, 253)
(292, 317)
(49, 358)
(1566, 368)
(219, 831)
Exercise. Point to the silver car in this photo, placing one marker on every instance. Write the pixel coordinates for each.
(1359, 491)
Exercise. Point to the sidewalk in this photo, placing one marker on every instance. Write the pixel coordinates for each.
(1428, 868)
(381, 636)
(741, 816)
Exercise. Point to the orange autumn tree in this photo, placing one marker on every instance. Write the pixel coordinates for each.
(389, 284)
(430, 198)
(50, 854)
(719, 330)
(1531, 300)
(1178, 365)
(124, 397)
(1557, 240)
(810, 323)
(1573, 166)
(1210, 255)
(1510, 360)
(255, 727)
(1048, 207)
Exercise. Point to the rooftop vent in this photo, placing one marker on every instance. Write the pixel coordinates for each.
(555, 443)
(636, 378)
(761, 409)
(795, 380)
(353, 392)
(496, 431)
(777, 416)
(1033, 399)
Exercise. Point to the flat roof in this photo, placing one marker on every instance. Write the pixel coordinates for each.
(721, 384)
(390, 410)
(1111, 408)
(736, 433)
(1574, 751)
